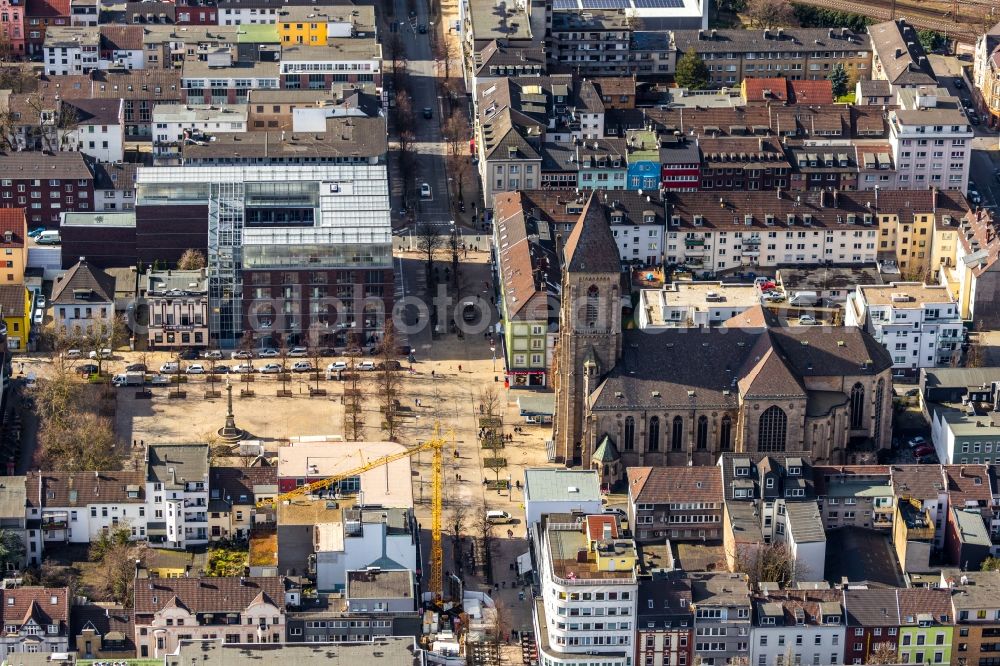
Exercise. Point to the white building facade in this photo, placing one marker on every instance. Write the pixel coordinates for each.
(918, 324)
(587, 610)
(931, 140)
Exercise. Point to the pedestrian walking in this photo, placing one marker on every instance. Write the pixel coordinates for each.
(432, 373)
(460, 367)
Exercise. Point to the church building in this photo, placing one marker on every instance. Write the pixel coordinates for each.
(684, 396)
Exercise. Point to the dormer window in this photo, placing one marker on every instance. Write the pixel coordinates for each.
(742, 471)
(698, 220)
(675, 220)
(770, 482)
(794, 471)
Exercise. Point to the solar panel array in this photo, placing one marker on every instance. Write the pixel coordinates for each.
(658, 4)
(616, 4)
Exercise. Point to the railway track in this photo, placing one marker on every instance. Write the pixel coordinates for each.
(922, 19)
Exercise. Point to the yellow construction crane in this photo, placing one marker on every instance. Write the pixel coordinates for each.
(435, 444)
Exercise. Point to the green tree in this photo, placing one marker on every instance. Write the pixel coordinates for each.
(991, 564)
(691, 72)
(930, 40)
(11, 549)
(838, 80)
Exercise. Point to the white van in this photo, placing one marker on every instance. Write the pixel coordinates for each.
(48, 238)
(498, 517)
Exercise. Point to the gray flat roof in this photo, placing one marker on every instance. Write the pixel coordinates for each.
(549, 485)
(395, 650)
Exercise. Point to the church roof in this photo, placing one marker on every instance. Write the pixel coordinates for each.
(591, 247)
(711, 368)
(606, 451)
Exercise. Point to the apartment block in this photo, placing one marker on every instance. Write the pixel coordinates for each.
(799, 53)
(918, 324)
(588, 606)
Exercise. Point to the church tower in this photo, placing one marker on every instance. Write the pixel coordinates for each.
(590, 328)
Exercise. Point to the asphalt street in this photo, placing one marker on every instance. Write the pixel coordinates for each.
(429, 146)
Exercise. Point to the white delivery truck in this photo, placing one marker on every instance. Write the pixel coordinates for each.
(804, 299)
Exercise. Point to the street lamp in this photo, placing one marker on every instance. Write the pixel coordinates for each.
(493, 350)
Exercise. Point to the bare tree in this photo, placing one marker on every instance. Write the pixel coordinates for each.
(428, 243)
(482, 529)
(83, 443)
(102, 337)
(457, 516)
(765, 562)
(453, 246)
(316, 353)
(767, 14)
(444, 52)
(116, 556)
(283, 357)
(247, 346)
(354, 417)
(883, 653)
(192, 260)
(387, 381)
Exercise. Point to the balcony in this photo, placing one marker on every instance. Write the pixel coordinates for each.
(694, 242)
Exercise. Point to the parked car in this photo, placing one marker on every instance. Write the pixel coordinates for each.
(104, 354)
(87, 369)
(354, 352)
(241, 354)
(269, 352)
(959, 84)
(428, 112)
(136, 367)
(923, 450)
(297, 352)
(243, 369)
(40, 301)
(195, 369)
(73, 353)
(212, 353)
(366, 365)
(393, 365)
(169, 367)
(36, 232)
(271, 369)
(425, 191)
(39, 316)
(336, 365)
(221, 370)
(159, 380)
(187, 355)
(499, 517)
(422, 29)
(302, 366)
(807, 320)
(916, 441)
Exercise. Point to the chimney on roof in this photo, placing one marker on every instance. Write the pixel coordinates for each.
(778, 190)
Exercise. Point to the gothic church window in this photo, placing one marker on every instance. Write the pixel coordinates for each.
(654, 434)
(702, 433)
(677, 436)
(772, 429)
(629, 433)
(857, 406)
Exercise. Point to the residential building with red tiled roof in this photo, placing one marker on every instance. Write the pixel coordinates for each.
(679, 503)
(35, 619)
(235, 609)
(819, 91)
(77, 507)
